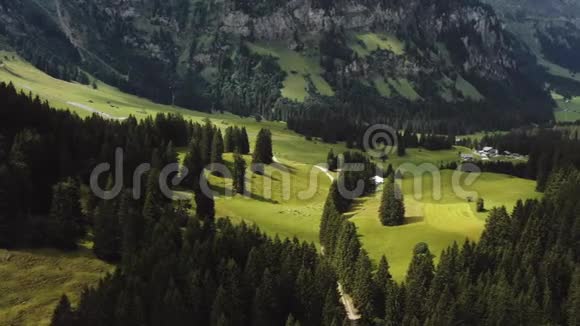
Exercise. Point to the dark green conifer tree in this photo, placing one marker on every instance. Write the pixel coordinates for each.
(382, 279)
(497, 232)
(480, 205)
(346, 254)
(217, 148)
(244, 142)
(574, 298)
(194, 165)
(263, 149)
(205, 206)
(132, 225)
(239, 174)
(332, 161)
(328, 218)
(65, 215)
(219, 308)
(401, 146)
(392, 209)
(173, 307)
(331, 313)
(107, 237)
(170, 154)
(418, 283)
(206, 142)
(63, 315)
(154, 201)
(265, 304)
(363, 285)
(229, 140)
(394, 304)
(390, 171)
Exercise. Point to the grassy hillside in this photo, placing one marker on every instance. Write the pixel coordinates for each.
(302, 68)
(365, 43)
(468, 90)
(299, 68)
(404, 88)
(287, 200)
(116, 104)
(383, 87)
(34, 280)
(568, 109)
(437, 222)
(418, 156)
(557, 70)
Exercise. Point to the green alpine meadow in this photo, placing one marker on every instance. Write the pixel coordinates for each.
(289, 163)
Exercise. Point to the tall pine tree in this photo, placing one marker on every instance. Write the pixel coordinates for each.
(217, 148)
(194, 165)
(63, 315)
(418, 282)
(392, 209)
(244, 142)
(204, 203)
(263, 149)
(65, 215)
(239, 182)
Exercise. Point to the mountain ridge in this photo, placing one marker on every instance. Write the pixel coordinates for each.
(199, 53)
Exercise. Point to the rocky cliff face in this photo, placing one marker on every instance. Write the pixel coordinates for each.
(479, 29)
(160, 42)
(90, 23)
(550, 31)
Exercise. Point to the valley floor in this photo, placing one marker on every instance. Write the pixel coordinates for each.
(32, 281)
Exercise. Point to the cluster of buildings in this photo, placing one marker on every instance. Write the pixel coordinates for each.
(487, 153)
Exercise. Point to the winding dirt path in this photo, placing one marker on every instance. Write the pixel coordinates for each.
(90, 109)
(351, 312)
(325, 170)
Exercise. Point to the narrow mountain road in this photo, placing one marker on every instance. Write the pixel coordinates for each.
(321, 167)
(325, 170)
(90, 109)
(351, 312)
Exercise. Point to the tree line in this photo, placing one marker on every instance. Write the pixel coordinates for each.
(47, 156)
(178, 268)
(548, 150)
(525, 270)
(211, 274)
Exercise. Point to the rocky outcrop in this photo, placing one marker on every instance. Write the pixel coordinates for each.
(197, 35)
(483, 35)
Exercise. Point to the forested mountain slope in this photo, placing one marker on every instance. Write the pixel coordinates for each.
(551, 31)
(376, 58)
(523, 271)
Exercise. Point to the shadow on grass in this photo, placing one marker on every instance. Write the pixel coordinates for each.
(84, 250)
(354, 208)
(283, 168)
(221, 191)
(264, 175)
(414, 219)
(263, 199)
